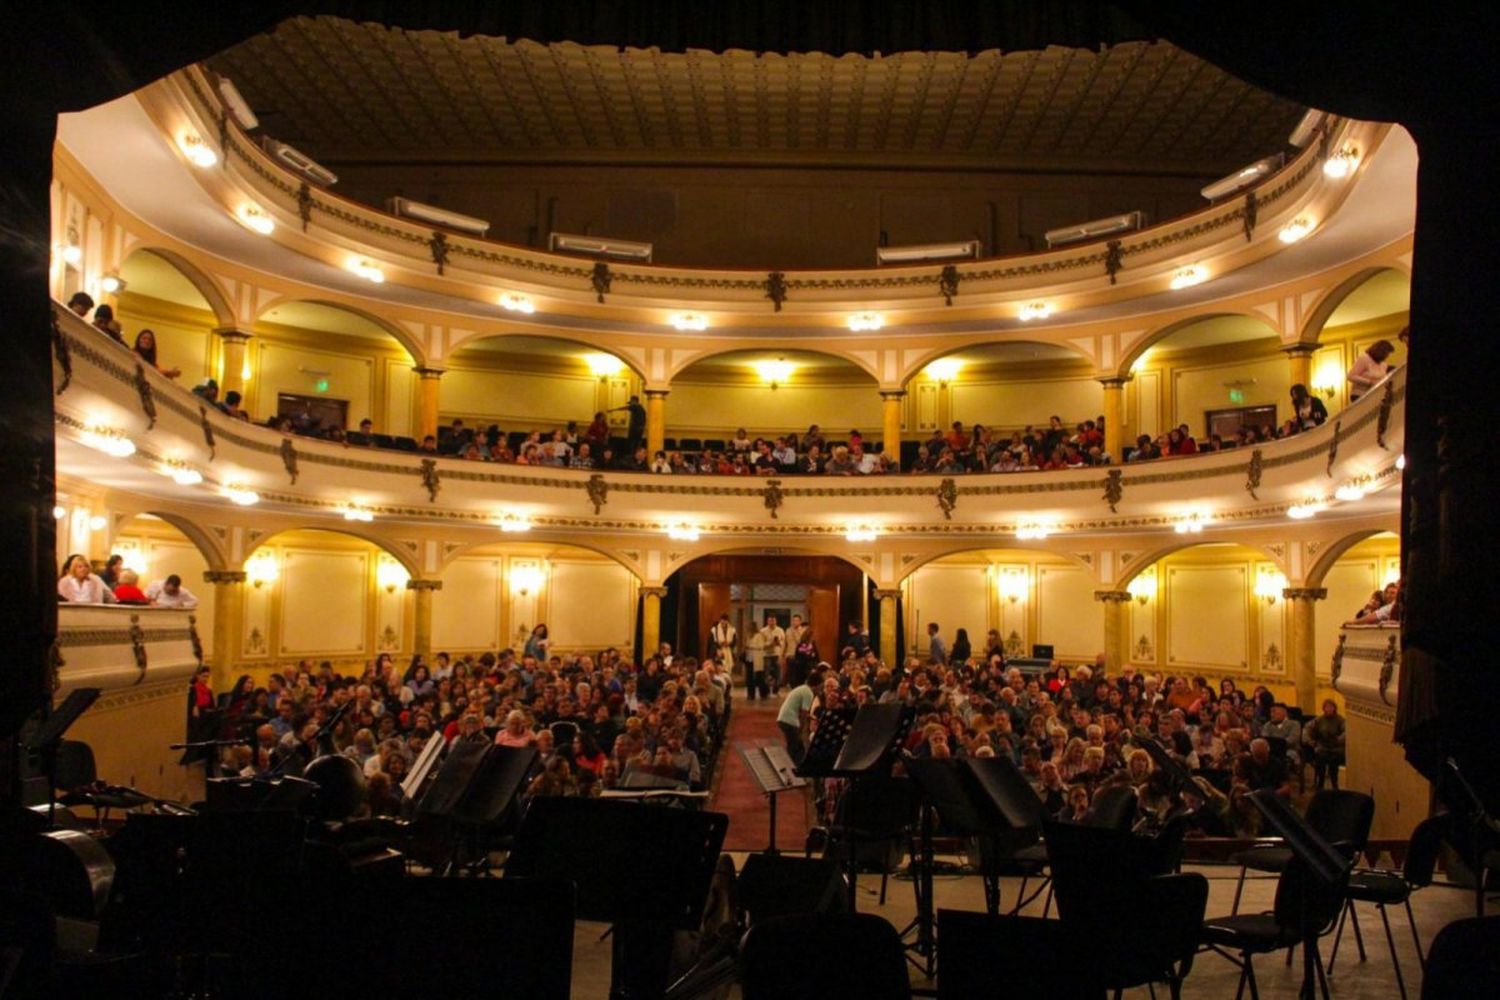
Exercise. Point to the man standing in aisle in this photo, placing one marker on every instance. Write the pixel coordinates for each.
(937, 652)
(772, 647)
(795, 711)
(723, 641)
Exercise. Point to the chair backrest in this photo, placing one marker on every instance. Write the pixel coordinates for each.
(1314, 914)
(1341, 816)
(1113, 808)
(1422, 851)
(877, 805)
(815, 956)
(75, 765)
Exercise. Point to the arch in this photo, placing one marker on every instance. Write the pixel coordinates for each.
(206, 285)
(469, 342)
(1312, 329)
(542, 538)
(1063, 353)
(1140, 564)
(771, 350)
(1155, 337)
(1336, 551)
(407, 559)
(1011, 546)
(415, 350)
(202, 540)
(741, 549)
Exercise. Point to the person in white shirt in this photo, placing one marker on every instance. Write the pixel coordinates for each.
(723, 640)
(784, 453)
(81, 585)
(558, 449)
(1369, 368)
(772, 648)
(170, 593)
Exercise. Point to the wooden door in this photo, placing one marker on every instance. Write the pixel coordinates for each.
(823, 609)
(713, 601)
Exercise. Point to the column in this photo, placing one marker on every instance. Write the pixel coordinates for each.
(232, 344)
(890, 420)
(229, 602)
(1116, 632)
(650, 621)
(1302, 643)
(889, 652)
(656, 421)
(427, 423)
(1114, 417)
(1299, 363)
(421, 641)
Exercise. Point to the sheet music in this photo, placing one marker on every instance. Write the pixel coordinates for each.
(771, 767)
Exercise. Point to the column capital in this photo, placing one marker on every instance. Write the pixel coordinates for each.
(891, 594)
(1113, 596)
(1299, 349)
(218, 576)
(233, 334)
(1114, 381)
(428, 372)
(657, 592)
(657, 393)
(893, 394)
(1305, 593)
(415, 584)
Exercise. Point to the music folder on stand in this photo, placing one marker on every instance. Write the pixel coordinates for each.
(774, 772)
(983, 797)
(874, 741)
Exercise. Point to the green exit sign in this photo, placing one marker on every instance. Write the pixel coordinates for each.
(322, 386)
(1236, 396)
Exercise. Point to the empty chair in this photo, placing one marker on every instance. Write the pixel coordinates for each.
(1113, 808)
(1305, 907)
(1339, 816)
(815, 956)
(714, 444)
(670, 444)
(1385, 888)
(404, 444)
(691, 444)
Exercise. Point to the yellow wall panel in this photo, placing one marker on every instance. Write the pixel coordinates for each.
(953, 596)
(466, 612)
(1068, 617)
(1207, 622)
(518, 401)
(324, 602)
(1200, 389)
(700, 409)
(1016, 404)
(591, 605)
(281, 368)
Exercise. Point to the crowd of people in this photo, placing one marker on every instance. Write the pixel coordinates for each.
(602, 446)
(117, 583)
(1072, 732)
(595, 720)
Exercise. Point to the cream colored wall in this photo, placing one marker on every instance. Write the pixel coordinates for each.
(1196, 389)
(184, 337)
(1340, 345)
(1011, 405)
(518, 400)
(592, 604)
(130, 738)
(1054, 602)
(278, 368)
(697, 409)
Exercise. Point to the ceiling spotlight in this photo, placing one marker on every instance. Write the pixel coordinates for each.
(110, 441)
(198, 152)
(1349, 493)
(1342, 162)
(1192, 524)
(185, 475)
(512, 524)
(517, 303)
(696, 322)
(242, 495)
(1032, 531)
(682, 532)
(1303, 511)
(354, 512)
(1243, 178)
(1189, 276)
(862, 533)
(256, 218)
(865, 322)
(604, 365)
(1296, 229)
(1035, 310)
(368, 271)
(112, 284)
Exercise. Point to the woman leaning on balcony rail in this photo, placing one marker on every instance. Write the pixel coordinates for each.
(79, 584)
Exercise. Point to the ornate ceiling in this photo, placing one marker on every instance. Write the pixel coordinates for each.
(359, 92)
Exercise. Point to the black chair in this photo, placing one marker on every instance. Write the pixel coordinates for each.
(357, 437)
(815, 956)
(1339, 816)
(873, 822)
(1387, 888)
(383, 440)
(978, 951)
(1464, 960)
(691, 444)
(1113, 808)
(1305, 907)
(669, 444)
(714, 444)
(1142, 927)
(404, 444)
(75, 771)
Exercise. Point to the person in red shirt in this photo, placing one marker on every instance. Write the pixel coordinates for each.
(128, 590)
(957, 439)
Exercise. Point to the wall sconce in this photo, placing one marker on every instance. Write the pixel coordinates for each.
(59, 512)
(198, 152)
(525, 579)
(262, 569)
(775, 372)
(1143, 587)
(1342, 162)
(944, 370)
(1296, 229)
(1013, 585)
(603, 365)
(517, 303)
(1269, 585)
(1326, 380)
(391, 575)
(862, 533)
(70, 252)
(112, 284)
(98, 522)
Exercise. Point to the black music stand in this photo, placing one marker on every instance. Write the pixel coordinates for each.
(1324, 862)
(872, 745)
(646, 871)
(982, 797)
(774, 772)
(472, 791)
(44, 742)
(1179, 776)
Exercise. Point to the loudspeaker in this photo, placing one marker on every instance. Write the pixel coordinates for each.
(777, 885)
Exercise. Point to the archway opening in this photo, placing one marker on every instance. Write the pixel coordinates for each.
(1370, 307)
(1361, 564)
(162, 293)
(1215, 374)
(155, 548)
(331, 363)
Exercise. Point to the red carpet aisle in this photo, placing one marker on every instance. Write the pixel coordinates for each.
(738, 795)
